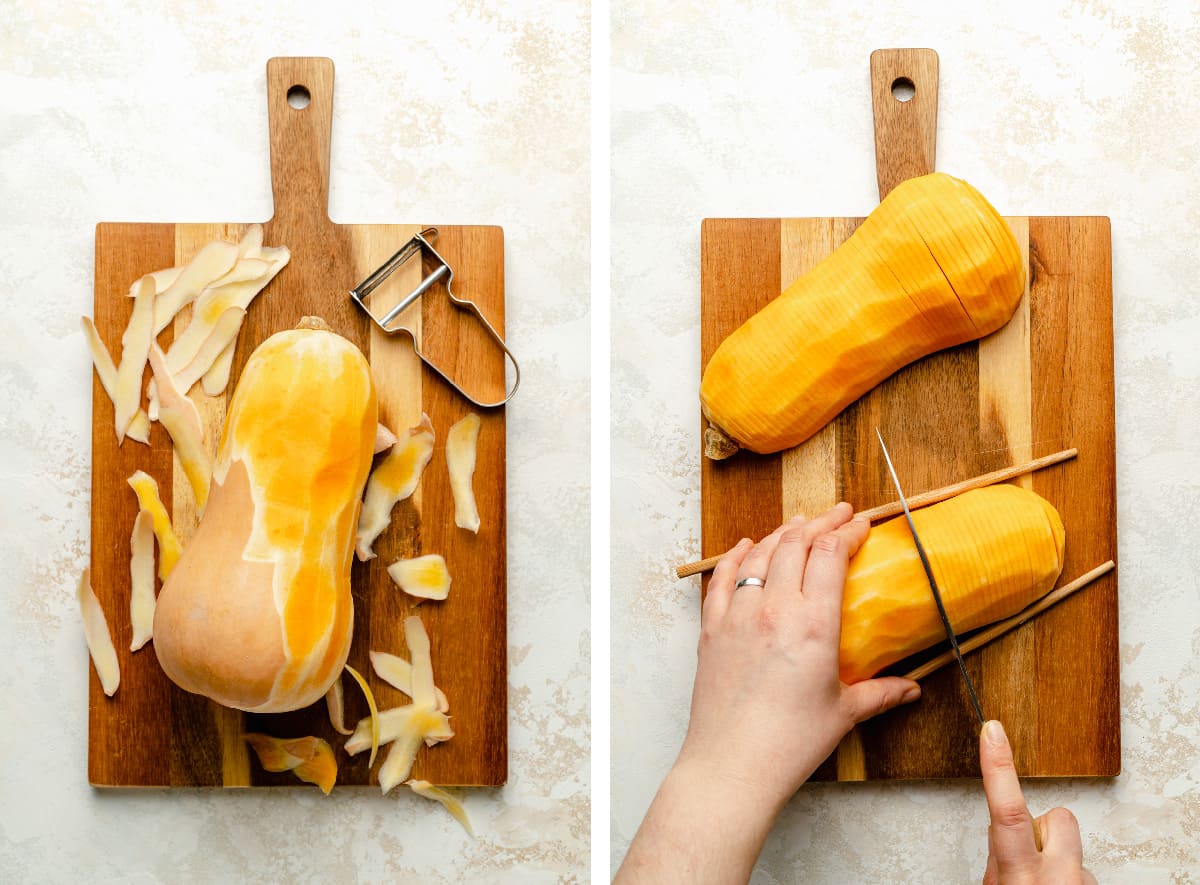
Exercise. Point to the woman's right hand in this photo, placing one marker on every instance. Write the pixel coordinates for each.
(1013, 856)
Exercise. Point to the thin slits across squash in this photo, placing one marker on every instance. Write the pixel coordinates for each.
(993, 551)
(933, 266)
(258, 613)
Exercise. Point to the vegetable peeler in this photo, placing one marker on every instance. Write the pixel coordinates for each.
(420, 246)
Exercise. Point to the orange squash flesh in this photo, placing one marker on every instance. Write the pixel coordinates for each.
(933, 266)
(993, 551)
(257, 614)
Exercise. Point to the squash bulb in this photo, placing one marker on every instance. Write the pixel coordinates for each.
(257, 614)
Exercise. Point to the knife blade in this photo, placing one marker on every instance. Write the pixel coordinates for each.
(937, 596)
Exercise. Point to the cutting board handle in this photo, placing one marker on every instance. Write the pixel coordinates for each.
(904, 91)
(300, 111)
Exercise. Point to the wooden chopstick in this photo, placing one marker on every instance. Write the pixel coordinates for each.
(886, 511)
(999, 629)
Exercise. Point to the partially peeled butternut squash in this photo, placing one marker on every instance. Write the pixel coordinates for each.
(257, 613)
(933, 266)
(993, 551)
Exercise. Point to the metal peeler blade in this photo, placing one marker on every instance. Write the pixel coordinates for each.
(419, 246)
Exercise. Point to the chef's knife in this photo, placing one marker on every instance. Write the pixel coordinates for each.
(937, 596)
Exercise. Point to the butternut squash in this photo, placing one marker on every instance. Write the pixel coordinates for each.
(257, 614)
(993, 551)
(933, 266)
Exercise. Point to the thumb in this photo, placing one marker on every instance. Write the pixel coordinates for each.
(874, 696)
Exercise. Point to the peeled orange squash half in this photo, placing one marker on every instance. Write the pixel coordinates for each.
(257, 613)
(933, 266)
(993, 551)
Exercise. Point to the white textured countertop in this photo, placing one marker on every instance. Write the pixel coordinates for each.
(1049, 108)
(465, 112)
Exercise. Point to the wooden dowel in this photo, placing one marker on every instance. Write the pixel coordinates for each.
(996, 631)
(886, 511)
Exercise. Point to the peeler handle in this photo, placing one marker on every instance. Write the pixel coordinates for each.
(417, 246)
(508, 358)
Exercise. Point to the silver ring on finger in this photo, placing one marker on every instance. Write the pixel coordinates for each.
(749, 582)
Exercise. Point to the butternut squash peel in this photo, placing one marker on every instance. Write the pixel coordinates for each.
(393, 481)
(993, 550)
(181, 419)
(371, 705)
(141, 580)
(169, 548)
(397, 673)
(99, 639)
(216, 379)
(257, 614)
(384, 439)
(394, 724)
(461, 444)
(406, 728)
(135, 347)
(451, 804)
(106, 371)
(309, 758)
(933, 266)
(210, 263)
(425, 577)
(335, 703)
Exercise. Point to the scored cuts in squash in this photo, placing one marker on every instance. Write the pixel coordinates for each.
(933, 265)
(993, 551)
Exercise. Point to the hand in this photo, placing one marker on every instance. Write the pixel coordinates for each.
(768, 707)
(1013, 856)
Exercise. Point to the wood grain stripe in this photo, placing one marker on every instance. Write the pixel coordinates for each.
(810, 471)
(1006, 437)
(469, 652)
(1005, 381)
(739, 274)
(1077, 641)
(229, 764)
(397, 373)
(125, 744)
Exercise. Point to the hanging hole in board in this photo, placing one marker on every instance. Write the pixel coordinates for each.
(298, 97)
(903, 89)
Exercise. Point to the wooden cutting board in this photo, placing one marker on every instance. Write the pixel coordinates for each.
(152, 733)
(1042, 383)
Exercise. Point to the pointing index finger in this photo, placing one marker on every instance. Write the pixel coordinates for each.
(1012, 824)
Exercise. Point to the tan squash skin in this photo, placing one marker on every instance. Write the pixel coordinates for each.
(243, 680)
(257, 614)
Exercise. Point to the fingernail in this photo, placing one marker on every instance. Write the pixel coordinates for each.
(861, 519)
(745, 542)
(910, 694)
(993, 733)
